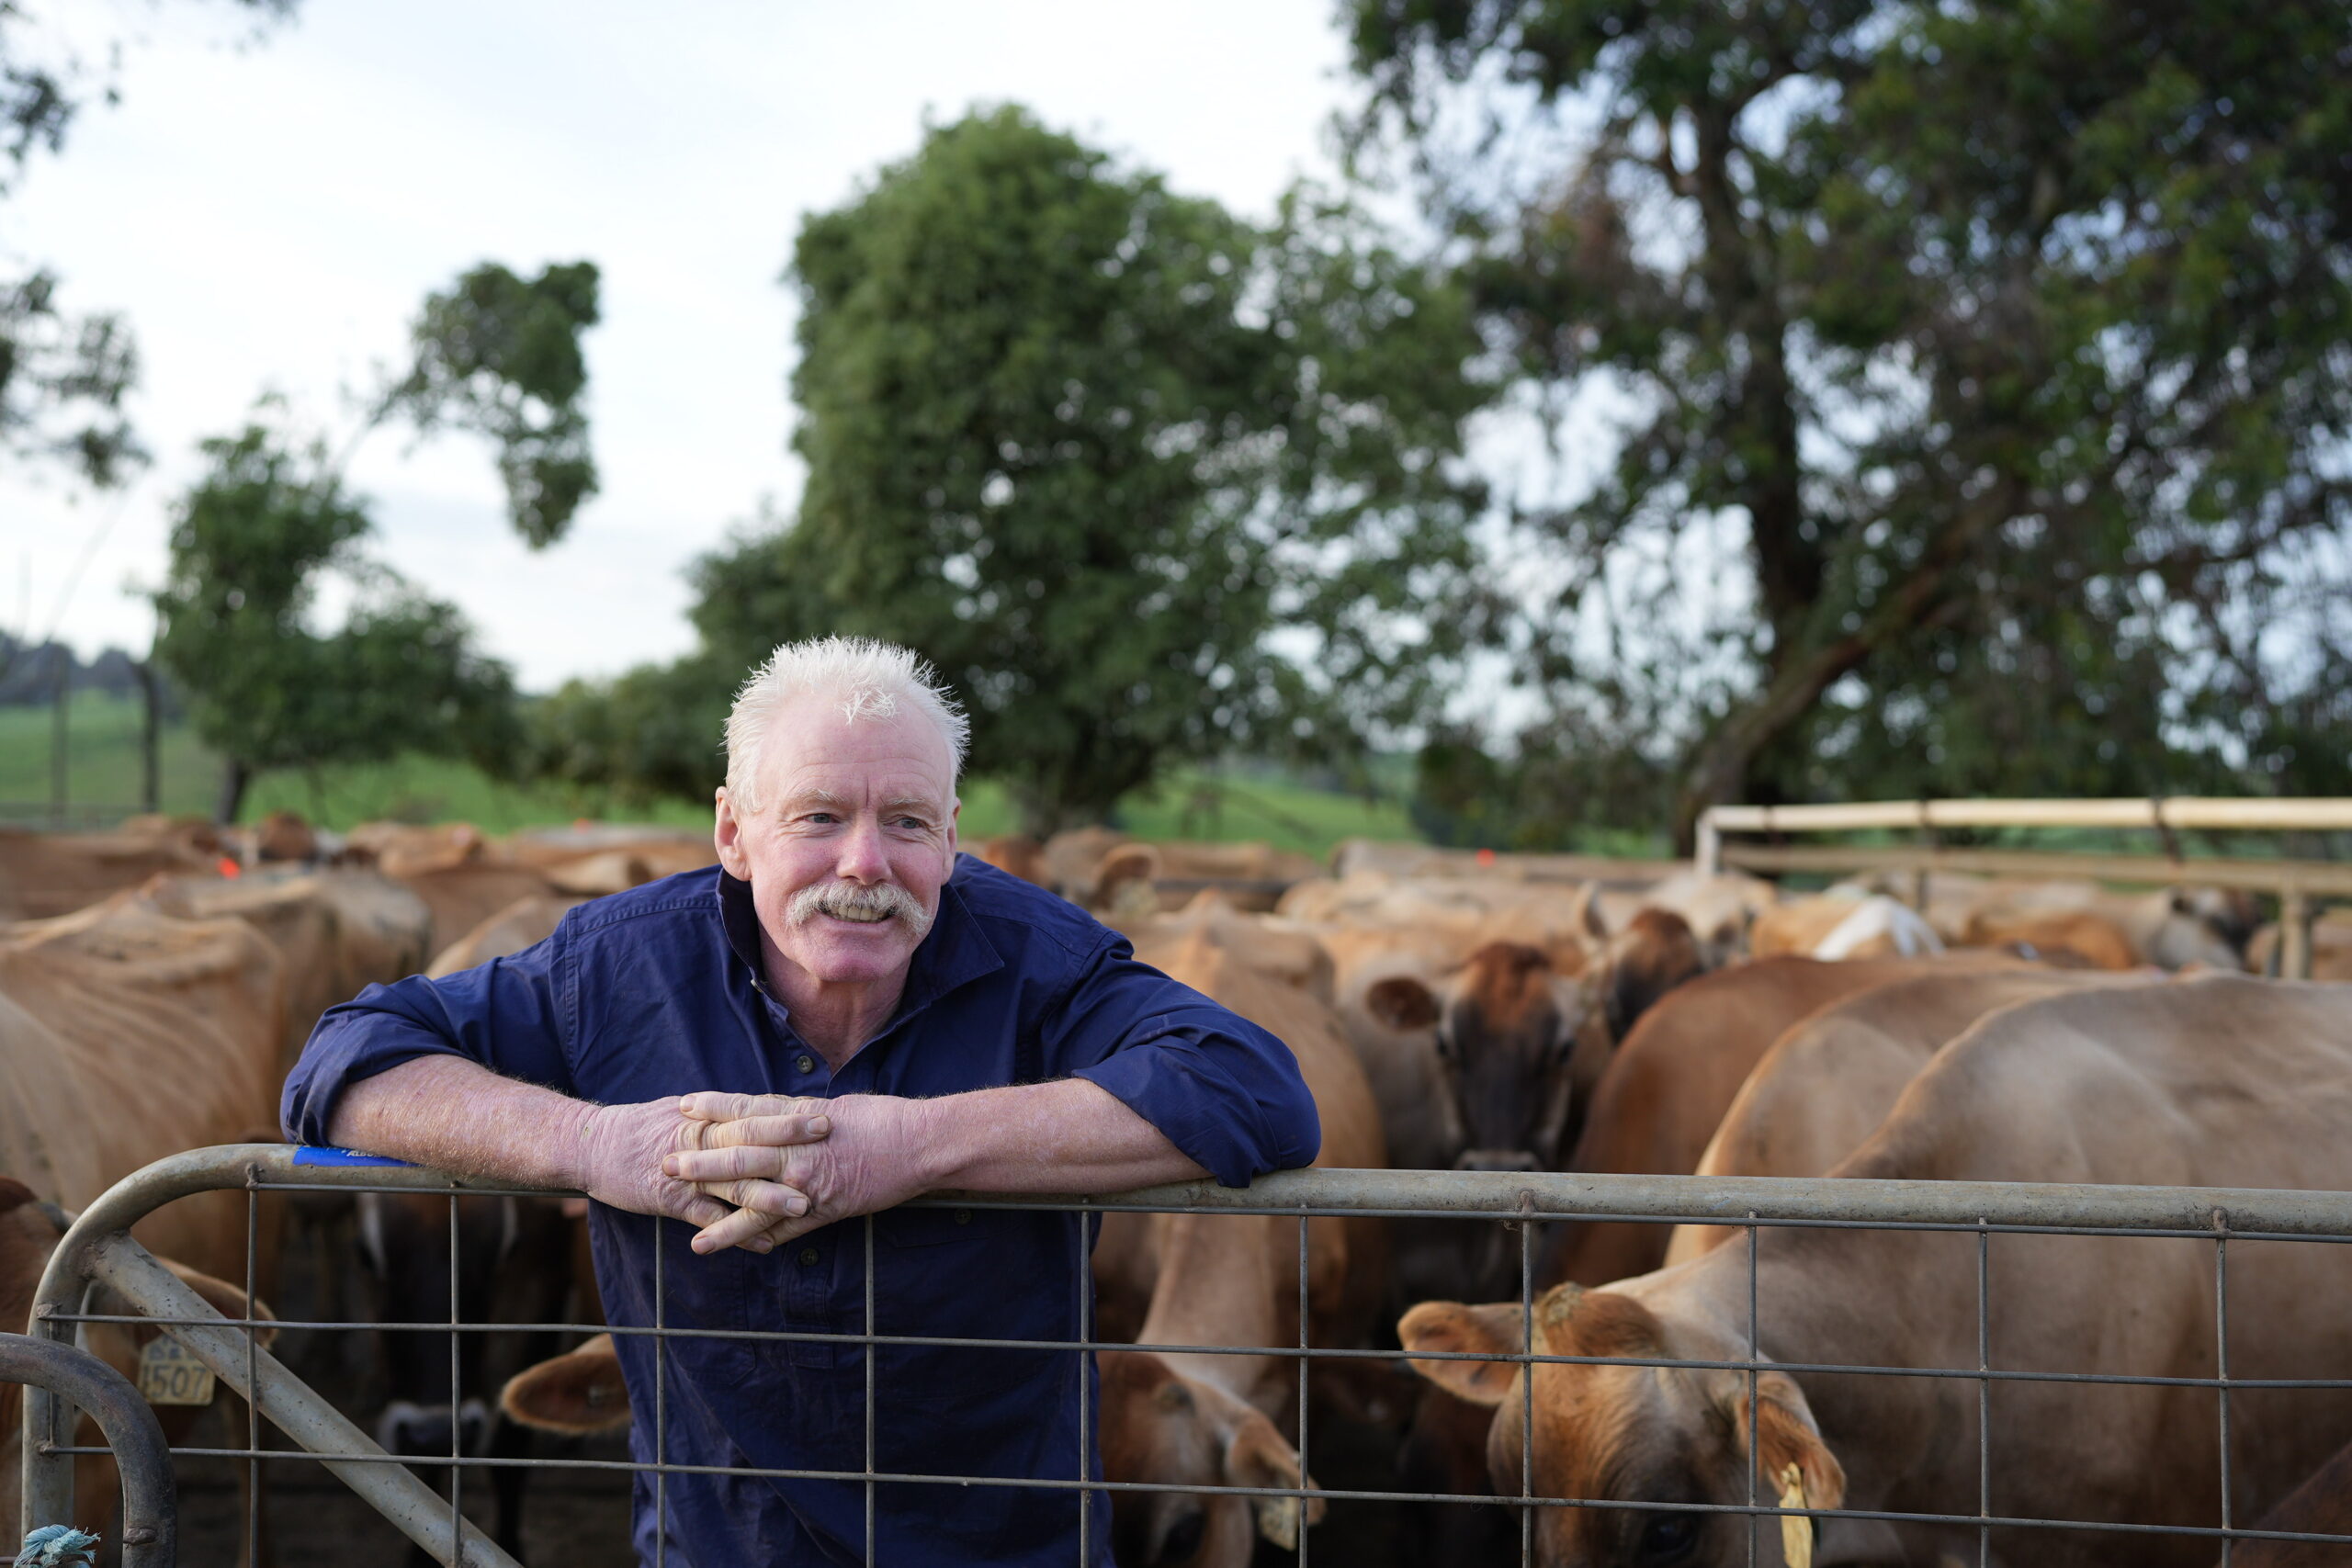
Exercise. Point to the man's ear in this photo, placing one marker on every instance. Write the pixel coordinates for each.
(727, 837)
(1449, 1326)
(1786, 1436)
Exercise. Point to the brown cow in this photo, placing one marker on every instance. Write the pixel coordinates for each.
(1667, 1087)
(1826, 1084)
(525, 922)
(46, 874)
(339, 932)
(1233, 1280)
(2321, 1505)
(463, 878)
(2219, 1081)
(127, 1035)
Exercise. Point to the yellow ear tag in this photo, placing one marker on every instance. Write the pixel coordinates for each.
(1796, 1535)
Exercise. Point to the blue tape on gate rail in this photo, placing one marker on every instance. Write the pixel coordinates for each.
(314, 1154)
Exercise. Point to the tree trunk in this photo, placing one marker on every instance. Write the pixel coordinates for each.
(151, 739)
(235, 777)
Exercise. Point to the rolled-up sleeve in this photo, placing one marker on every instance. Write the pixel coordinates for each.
(1222, 1089)
(508, 1015)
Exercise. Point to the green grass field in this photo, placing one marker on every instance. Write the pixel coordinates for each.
(103, 753)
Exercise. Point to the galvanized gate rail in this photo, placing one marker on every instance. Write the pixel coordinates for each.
(150, 1501)
(96, 1250)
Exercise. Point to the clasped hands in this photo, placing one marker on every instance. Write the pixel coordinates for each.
(755, 1170)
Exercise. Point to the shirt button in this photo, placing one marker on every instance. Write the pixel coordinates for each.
(806, 1063)
(963, 1216)
(808, 1257)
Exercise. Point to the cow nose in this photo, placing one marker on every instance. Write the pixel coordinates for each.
(1495, 1159)
(422, 1431)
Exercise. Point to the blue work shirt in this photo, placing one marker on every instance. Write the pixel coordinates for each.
(658, 992)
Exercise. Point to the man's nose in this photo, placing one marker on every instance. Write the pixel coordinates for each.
(863, 855)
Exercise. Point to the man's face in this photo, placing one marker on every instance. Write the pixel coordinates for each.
(854, 838)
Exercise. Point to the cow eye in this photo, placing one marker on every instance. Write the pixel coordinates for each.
(1668, 1537)
(1183, 1541)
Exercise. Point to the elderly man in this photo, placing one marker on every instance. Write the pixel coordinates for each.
(841, 1015)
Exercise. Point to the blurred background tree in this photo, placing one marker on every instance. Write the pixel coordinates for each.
(1146, 482)
(253, 545)
(2015, 341)
(64, 375)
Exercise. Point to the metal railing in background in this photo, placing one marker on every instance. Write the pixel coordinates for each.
(97, 1250)
(2296, 883)
(150, 1502)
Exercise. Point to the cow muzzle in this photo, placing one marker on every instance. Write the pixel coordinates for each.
(1495, 1159)
(422, 1431)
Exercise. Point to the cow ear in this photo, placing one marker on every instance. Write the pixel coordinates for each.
(1402, 1003)
(1786, 1439)
(1256, 1455)
(1123, 880)
(1450, 1328)
(578, 1392)
(14, 1194)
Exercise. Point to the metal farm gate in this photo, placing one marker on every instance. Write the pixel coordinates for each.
(97, 1251)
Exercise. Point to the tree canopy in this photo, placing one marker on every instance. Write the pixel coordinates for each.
(2017, 342)
(500, 356)
(1111, 458)
(252, 546)
(64, 375)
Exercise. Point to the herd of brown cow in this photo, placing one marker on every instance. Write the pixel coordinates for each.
(1448, 1012)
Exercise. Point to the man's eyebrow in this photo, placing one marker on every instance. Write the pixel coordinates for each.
(818, 797)
(922, 803)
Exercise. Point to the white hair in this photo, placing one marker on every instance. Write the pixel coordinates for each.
(867, 678)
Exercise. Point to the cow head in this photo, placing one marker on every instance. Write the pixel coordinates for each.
(1656, 951)
(1633, 1435)
(1160, 1426)
(513, 1265)
(1505, 1031)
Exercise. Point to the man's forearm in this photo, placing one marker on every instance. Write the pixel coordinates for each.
(1066, 1136)
(458, 1116)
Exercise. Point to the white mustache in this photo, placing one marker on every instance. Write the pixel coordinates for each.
(867, 906)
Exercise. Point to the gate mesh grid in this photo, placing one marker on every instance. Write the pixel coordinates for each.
(259, 1168)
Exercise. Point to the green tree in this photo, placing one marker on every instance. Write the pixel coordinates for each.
(64, 376)
(251, 548)
(2015, 338)
(1097, 450)
(500, 356)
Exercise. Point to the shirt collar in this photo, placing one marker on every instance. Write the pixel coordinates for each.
(953, 954)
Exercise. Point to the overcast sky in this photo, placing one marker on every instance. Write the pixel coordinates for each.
(269, 218)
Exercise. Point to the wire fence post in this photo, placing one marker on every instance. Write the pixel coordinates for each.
(1755, 1405)
(1301, 1502)
(1527, 1380)
(1984, 1398)
(2221, 1364)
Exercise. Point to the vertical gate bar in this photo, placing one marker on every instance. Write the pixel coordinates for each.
(1984, 1397)
(1527, 1380)
(873, 1354)
(2221, 1365)
(1302, 1389)
(253, 1383)
(457, 1401)
(1086, 1222)
(661, 1398)
(1755, 1405)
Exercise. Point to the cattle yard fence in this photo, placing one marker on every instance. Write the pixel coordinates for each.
(97, 1251)
(2296, 883)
